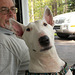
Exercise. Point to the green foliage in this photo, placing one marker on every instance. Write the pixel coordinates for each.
(71, 5)
(38, 8)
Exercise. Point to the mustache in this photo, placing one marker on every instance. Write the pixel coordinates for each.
(8, 25)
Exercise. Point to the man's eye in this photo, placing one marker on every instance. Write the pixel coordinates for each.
(13, 9)
(4, 8)
(28, 29)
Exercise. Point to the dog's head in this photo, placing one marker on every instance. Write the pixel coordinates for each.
(38, 35)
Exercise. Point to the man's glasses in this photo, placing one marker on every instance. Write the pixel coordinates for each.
(5, 10)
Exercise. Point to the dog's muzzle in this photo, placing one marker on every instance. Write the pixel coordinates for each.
(44, 41)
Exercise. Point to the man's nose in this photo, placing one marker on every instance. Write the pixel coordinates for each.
(10, 13)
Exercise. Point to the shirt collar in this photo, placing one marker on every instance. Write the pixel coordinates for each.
(6, 31)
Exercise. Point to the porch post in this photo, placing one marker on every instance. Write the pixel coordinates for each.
(25, 12)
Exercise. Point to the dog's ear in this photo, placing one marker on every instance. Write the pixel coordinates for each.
(16, 27)
(48, 16)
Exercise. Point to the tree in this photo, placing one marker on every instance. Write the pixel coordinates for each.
(36, 8)
(54, 7)
(31, 11)
(71, 5)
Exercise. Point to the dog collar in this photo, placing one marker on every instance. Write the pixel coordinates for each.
(63, 71)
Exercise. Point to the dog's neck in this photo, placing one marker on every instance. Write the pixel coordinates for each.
(47, 61)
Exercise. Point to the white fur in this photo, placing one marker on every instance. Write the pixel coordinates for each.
(45, 61)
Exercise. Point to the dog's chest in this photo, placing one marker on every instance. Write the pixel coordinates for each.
(43, 64)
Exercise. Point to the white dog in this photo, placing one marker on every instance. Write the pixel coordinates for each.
(39, 37)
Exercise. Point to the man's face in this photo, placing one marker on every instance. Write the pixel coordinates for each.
(6, 11)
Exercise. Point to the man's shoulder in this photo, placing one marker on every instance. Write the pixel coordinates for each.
(2, 35)
(3, 38)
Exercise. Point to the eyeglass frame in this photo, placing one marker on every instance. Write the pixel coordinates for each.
(6, 11)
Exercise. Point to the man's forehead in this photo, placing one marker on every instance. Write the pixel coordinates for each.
(6, 3)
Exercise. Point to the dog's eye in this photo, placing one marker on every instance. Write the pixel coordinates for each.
(44, 24)
(28, 29)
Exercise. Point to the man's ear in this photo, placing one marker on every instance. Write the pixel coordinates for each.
(48, 16)
(16, 27)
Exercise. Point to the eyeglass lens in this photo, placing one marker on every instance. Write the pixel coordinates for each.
(5, 10)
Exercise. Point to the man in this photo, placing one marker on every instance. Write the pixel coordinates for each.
(14, 54)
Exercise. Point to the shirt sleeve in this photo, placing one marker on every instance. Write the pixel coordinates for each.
(3, 58)
(24, 65)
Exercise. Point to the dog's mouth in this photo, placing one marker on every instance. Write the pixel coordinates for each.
(44, 49)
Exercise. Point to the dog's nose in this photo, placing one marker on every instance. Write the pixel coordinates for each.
(44, 41)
